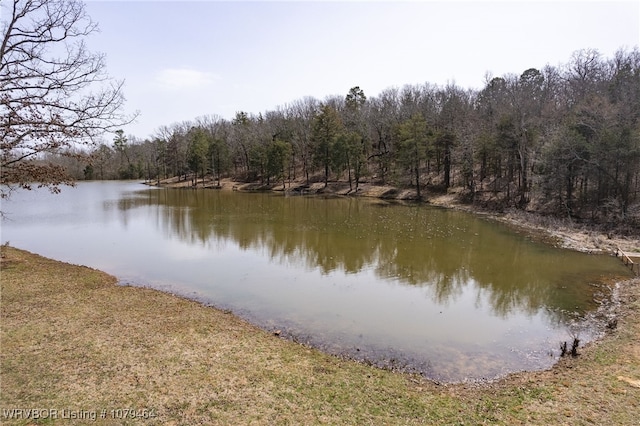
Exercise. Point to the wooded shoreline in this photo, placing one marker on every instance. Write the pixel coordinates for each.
(559, 141)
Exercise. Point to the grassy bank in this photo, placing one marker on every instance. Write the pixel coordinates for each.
(73, 340)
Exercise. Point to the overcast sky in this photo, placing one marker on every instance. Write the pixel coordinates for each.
(184, 59)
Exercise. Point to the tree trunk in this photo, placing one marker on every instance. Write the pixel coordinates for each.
(447, 167)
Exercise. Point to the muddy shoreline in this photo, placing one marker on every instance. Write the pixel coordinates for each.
(591, 329)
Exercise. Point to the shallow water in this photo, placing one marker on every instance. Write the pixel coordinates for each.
(440, 292)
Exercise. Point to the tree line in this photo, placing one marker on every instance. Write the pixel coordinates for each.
(562, 139)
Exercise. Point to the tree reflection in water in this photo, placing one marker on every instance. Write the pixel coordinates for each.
(441, 292)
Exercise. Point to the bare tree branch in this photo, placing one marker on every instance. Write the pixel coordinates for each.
(54, 93)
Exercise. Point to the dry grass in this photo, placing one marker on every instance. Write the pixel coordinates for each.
(72, 339)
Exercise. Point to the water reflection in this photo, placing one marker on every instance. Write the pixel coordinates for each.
(438, 291)
(410, 245)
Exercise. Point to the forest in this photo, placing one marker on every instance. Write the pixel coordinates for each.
(561, 140)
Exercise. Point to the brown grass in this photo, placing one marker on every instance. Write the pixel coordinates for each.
(72, 339)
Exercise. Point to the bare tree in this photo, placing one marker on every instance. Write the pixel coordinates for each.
(302, 113)
(54, 93)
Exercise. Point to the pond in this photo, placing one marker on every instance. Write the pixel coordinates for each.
(439, 292)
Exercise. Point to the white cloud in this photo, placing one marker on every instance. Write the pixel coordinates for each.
(184, 79)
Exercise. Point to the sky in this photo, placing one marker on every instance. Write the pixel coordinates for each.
(186, 59)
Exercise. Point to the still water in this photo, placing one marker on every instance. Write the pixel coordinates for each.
(435, 291)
